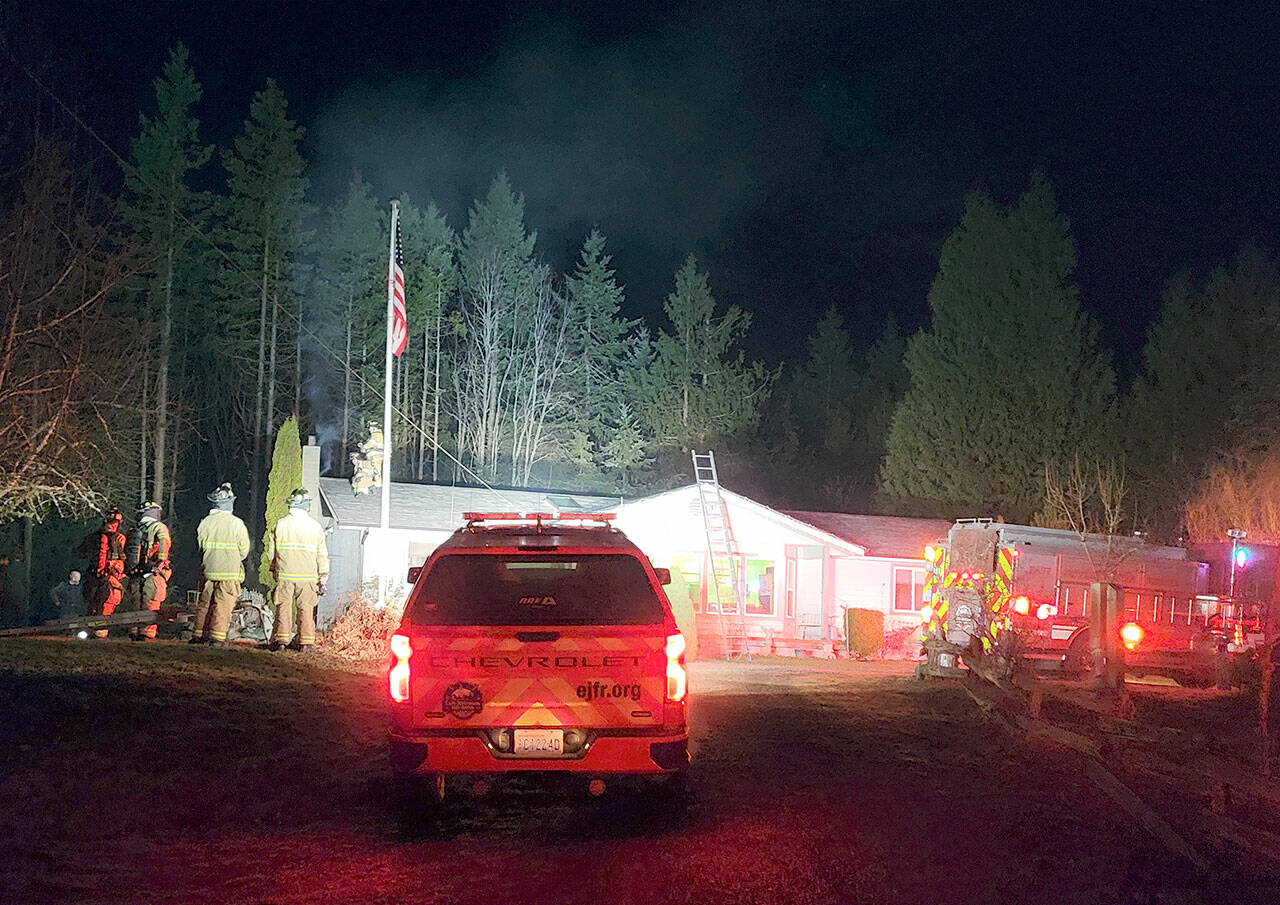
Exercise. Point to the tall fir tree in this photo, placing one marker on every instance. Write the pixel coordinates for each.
(431, 280)
(162, 207)
(1008, 378)
(1209, 389)
(266, 184)
(499, 279)
(699, 388)
(824, 390)
(599, 339)
(350, 299)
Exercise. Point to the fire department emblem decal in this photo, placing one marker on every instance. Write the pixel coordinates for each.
(463, 700)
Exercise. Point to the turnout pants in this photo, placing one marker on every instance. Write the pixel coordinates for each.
(213, 608)
(291, 596)
(104, 597)
(145, 592)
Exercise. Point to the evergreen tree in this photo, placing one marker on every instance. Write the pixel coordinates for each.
(350, 293)
(699, 389)
(431, 280)
(884, 381)
(823, 395)
(1008, 378)
(1209, 388)
(598, 338)
(285, 477)
(504, 297)
(266, 184)
(624, 448)
(160, 206)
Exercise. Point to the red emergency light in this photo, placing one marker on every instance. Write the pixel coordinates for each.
(538, 517)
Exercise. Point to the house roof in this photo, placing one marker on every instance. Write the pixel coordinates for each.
(440, 506)
(817, 532)
(882, 535)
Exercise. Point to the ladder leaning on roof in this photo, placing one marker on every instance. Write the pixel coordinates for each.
(725, 577)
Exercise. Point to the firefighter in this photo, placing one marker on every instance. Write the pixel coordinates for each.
(104, 585)
(372, 449)
(224, 543)
(361, 473)
(147, 563)
(299, 560)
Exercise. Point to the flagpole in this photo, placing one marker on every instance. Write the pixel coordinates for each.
(386, 399)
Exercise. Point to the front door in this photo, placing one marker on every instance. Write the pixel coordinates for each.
(810, 571)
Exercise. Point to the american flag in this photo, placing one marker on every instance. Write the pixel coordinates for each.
(399, 321)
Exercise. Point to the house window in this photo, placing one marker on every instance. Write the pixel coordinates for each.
(759, 587)
(690, 567)
(908, 589)
(419, 552)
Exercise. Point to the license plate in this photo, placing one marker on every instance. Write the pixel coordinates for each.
(539, 742)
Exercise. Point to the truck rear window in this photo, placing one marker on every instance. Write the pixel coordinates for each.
(538, 589)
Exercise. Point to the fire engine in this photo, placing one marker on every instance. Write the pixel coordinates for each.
(1000, 594)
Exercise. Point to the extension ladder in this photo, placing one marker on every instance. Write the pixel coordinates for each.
(725, 578)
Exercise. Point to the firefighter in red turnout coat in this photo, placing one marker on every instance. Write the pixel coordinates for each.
(147, 562)
(104, 584)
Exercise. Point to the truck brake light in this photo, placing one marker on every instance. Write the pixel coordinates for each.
(1022, 606)
(1131, 634)
(677, 676)
(398, 678)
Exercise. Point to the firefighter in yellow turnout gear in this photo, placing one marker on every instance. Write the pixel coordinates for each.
(224, 543)
(299, 559)
(146, 559)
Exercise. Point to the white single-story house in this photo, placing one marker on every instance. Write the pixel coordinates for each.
(800, 571)
(362, 555)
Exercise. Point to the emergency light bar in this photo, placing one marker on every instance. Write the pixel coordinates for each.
(538, 517)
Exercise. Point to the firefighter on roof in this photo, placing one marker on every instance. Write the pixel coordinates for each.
(104, 549)
(224, 543)
(372, 449)
(300, 564)
(146, 558)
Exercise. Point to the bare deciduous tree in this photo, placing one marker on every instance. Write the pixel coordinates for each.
(68, 406)
(1090, 499)
(1237, 493)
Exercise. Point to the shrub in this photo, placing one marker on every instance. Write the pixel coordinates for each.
(865, 631)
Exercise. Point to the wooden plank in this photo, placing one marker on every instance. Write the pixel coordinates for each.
(1240, 836)
(1113, 788)
(57, 626)
(1148, 819)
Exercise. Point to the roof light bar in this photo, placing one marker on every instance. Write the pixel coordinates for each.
(538, 517)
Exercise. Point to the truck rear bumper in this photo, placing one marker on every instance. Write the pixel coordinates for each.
(633, 754)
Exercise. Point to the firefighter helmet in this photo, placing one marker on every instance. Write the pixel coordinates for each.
(222, 495)
(149, 508)
(299, 499)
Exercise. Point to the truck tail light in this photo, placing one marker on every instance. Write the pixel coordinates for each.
(398, 678)
(1022, 606)
(1131, 634)
(926, 614)
(677, 677)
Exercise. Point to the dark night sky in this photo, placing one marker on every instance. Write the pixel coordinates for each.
(809, 153)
